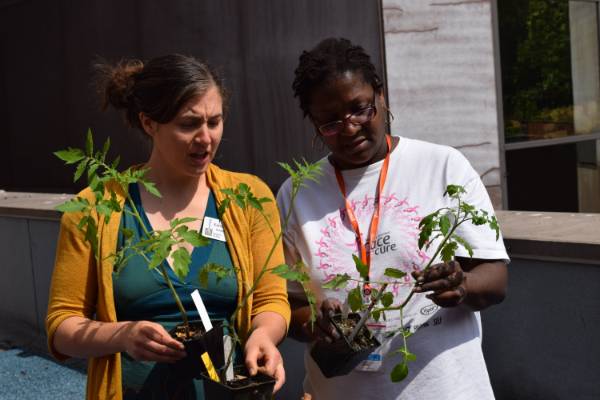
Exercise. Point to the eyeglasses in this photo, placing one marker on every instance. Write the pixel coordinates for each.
(360, 117)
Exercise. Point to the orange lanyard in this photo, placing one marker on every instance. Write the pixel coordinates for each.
(365, 251)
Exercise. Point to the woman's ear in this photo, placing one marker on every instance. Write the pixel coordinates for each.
(381, 96)
(148, 124)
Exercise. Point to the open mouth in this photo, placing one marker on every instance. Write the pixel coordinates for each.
(199, 157)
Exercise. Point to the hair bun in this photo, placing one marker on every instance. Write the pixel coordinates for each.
(116, 82)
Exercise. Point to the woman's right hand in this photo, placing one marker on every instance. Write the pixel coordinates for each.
(149, 341)
(323, 329)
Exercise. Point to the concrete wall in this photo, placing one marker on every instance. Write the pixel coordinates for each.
(441, 78)
(27, 247)
(542, 342)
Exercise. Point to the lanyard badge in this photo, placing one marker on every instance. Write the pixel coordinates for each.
(365, 250)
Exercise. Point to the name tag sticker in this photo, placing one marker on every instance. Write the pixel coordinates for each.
(212, 228)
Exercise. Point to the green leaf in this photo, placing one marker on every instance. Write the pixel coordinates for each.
(394, 273)
(399, 372)
(89, 143)
(428, 219)
(376, 315)
(70, 155)
(103, 208)
(179, 221)
(195, 238)
(91, 235)
(127, 233)
(448, 251)
(203, 278)
(374, 293)
(295, 276)
(254, 203)
(181, 262)
(281, 269)
(454, 190)
(337, 282)
(228, 192)
(355, 299)
(361, 267)
(151, 188)
(291, 274)
(240, 201)
(223, 206)
(83, 222)
(218, 270)
(93, 167)
(243, 188)
(444, 224)
(105, 148)
(408, 356)
(80, 169)
(74, 205)
(115, 162)
(387, 299)
(493, 223)
(424, 235)
(464, 244)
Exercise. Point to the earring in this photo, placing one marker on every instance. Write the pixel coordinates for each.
(390, 116)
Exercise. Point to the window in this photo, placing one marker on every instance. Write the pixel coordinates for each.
(550, 62)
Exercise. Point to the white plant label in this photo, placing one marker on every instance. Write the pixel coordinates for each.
(212, 228)
(202, 310)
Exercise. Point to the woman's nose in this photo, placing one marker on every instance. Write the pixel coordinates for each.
(350, 129)
(202, 135)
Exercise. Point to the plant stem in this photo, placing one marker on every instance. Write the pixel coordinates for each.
(163, 271)
(364, 317)
(437, 252)
(263, 270)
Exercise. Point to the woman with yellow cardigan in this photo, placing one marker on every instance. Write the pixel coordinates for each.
(120, 322)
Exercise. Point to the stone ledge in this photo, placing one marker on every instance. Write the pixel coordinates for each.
(31, 205)
(539, 235)
(552, 227)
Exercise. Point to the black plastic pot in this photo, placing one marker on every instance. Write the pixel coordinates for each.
(258, 387)
(191, 366)
(340, 357)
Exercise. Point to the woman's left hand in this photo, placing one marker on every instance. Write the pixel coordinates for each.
(262, 355)
(447, 281)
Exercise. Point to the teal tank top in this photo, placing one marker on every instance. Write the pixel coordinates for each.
(141, 294)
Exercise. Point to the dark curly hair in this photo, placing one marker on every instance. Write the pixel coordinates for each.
(158, 88)
(330, 58)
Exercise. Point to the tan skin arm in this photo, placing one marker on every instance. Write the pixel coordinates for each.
(268, 329)
(83, 338)
(475, 282)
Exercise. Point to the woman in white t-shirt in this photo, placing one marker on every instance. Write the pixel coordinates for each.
(341, 93)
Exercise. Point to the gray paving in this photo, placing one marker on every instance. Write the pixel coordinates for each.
(24, 376)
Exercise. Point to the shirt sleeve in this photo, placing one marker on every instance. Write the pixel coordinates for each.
(482, 238)
(73, 289)
(271, 292)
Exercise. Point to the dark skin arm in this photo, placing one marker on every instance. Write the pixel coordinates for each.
(475, 282)
(300, 326)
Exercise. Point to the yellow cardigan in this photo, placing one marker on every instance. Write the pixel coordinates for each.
(81, 287)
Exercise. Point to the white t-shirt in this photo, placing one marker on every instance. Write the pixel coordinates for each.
(447, 341)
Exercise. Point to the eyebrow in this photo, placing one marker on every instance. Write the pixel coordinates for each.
(193, 115)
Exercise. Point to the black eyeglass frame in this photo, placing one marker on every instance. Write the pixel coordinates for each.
(341, 123)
